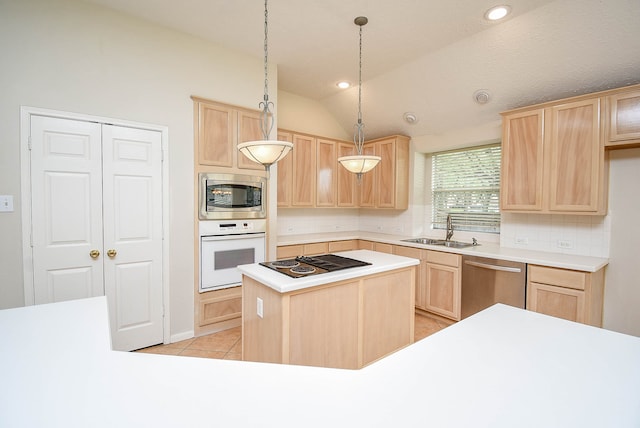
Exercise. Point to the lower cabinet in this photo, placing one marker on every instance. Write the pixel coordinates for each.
(315, 248)
(218, 306)
(443, 284)
(346, 324)
(572, 295)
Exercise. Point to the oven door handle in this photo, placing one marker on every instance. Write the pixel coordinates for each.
(211, 238)
(492, 267)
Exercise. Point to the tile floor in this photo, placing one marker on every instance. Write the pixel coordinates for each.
(228, 344)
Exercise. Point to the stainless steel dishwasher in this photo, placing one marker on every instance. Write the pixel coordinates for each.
(488, 281)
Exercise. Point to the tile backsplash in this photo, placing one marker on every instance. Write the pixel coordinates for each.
(567, 234)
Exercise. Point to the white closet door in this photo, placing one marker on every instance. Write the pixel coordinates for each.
(66, 180)
(132, 192)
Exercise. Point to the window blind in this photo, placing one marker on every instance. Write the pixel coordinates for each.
(466, 184)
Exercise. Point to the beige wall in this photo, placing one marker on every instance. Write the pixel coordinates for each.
(302, 114)
(72, 56)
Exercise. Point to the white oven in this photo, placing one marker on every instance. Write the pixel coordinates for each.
(226, 244)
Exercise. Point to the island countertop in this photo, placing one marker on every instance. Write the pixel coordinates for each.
(502, 367)
(380, 262)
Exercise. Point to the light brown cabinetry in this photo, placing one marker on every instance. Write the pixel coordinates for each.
(346, 324)
(285, 174)
(219, 128)
(624, 118)
(315, 248)
(421, 275)
(346, 186)
(443, 285)
(387, 185)
(304, 166)
(219, 306)
(553, 159)
(572, 295)
(326, 180)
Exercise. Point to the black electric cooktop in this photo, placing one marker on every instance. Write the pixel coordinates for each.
(313, 265)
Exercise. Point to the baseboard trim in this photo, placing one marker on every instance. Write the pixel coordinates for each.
(182, 336)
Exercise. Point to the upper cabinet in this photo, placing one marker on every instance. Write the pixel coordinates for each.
(219, 129)
(624, 118)
(313, 177)
(553, 159)
(387, 185)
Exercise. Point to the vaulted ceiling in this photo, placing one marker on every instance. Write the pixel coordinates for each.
(422, 56)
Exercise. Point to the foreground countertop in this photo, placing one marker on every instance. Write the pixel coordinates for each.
(490, 250)
(502, 367)
(380, 262)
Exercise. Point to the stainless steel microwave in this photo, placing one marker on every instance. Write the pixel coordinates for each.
(232, 196)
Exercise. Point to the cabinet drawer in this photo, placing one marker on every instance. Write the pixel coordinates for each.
(414, 253)
(221, 306)
(316, 248)
(383, 248)
(560, 277)
(365, 245)
(288, 251)
(447, 259)
(335, 246)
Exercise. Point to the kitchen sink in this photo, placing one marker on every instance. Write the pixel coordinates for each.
(444, 243)
(425, 241)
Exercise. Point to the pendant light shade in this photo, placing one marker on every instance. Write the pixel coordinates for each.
(359, 163)
(265, 151)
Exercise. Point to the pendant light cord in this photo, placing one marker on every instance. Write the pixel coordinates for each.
(358, 136)
(266, 116)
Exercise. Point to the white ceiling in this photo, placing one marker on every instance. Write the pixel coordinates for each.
(422, 56)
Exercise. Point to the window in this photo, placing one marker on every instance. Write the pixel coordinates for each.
(466, 184)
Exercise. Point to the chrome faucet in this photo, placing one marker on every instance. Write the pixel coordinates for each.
(449, 228)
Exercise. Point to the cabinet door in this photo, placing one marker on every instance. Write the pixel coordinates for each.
(421, 276)
(522, 161)
(304, 166)
(556, 301)
(215, 135)
(443, 290)
(346, 188)
(326, 173)
(368, 182)
(248, 130)
(576, 156)
(285, 174)
(386, 174)
(624, 118)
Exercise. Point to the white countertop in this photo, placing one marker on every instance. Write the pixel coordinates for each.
(380, 262)
(502, 367)
(492, 251)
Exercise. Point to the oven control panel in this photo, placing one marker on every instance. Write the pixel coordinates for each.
(232, 227)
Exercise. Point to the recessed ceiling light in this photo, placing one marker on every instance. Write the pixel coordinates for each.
(497, 12)
(343, 85)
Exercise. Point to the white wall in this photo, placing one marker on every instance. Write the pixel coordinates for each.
(622, 286)
(72, 56)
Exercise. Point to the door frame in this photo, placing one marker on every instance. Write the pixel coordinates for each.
(25, 186)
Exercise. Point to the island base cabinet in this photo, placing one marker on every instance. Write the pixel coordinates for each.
(346, 324)
(562, 293)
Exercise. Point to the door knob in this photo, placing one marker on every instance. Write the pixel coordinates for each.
(111, 253)
(94, 254)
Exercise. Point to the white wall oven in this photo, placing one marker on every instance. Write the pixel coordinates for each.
(224, 245)
(232, 196)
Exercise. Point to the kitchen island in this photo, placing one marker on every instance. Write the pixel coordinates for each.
(342, 319)
(502, 367)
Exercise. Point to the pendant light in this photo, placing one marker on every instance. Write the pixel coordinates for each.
(359, 163)
(265, 151)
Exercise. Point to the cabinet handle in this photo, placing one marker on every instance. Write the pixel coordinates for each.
(111, 253)
(94, 254)
(493, 267)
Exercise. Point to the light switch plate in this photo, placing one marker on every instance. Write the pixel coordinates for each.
(6, 203)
